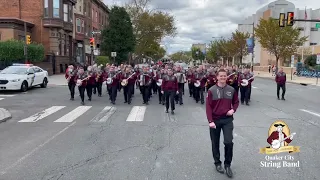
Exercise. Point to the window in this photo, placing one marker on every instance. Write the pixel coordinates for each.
(70, 13)
(56, 8)
(97, 16)
(82, 26)
(60, 48)
(65, 44)
(92, 15)
(80, 8)
(314, 29)
(46, 8)
(65, 12)
(84, 9)
(301, 29)
(37, 70)
(78, 23)
(313, 44)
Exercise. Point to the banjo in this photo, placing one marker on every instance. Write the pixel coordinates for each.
(79, 81)
(245, 82)
(276, 144)
(125, 81)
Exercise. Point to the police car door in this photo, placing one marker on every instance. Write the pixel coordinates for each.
(39, 75)
(31, 77)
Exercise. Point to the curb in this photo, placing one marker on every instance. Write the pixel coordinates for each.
(303, 84)
(7, 115)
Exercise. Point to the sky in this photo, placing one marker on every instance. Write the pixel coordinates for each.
(200, 21)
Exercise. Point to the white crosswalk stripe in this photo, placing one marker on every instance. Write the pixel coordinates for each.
(137, 113)
(1, 99)
(2, 96)
(105, 114)
(38, 116)
(73, 115)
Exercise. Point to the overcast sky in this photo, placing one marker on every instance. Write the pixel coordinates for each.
(200, 20)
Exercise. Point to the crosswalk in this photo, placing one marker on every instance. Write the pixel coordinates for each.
(135, 114)
(4, 96)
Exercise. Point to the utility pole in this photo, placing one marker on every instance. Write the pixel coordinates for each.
(93, 44)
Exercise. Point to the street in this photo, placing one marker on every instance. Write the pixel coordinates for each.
(43, 140)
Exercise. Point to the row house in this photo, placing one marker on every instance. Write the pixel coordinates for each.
(90, 16)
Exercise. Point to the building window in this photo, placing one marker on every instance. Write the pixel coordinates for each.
(313, 44)
(46, 8)
(84, 9)
(70, 14)
(56, 8)
(60, 46)
(80, 8)
(82, 26)
(301, 29)
(65, 12)
(92, 15)
(78, 22)
(65, 44)
(314, 29)
(97, 16)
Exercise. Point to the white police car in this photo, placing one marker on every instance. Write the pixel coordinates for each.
(22, 77)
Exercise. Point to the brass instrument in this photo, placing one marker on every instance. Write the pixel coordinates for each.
(142, 79)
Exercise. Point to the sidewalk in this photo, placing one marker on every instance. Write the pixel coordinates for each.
(57, 80)
(295, 79)
(4, 115)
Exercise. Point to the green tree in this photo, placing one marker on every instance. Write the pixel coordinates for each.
(282, 42)
(155, 51)
(213, 51)
(181, 56)
(118, 36)
(239, 42)
(197, 54)
(102, 60)
(149, 26)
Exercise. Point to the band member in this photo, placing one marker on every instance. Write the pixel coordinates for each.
(81, 80)
(154, 81)
(70, 76)
(95, 71)
(113, 81)
(128, 78)
(91, 82)
(200, 80)
(150, 72)
(190, 77)
(159, 77)
(169, 88)
(221, 103)
(245, 89)
(211, 78)
(181, 78)
(281, 79)
(145, 81)
(99, 80)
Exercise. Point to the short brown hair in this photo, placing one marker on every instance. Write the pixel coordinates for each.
(221, 70)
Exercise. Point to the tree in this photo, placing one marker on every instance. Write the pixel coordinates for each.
(197, 54)
(181, 56)
(118, 36)
(155, 50)
(226, 48)
(149, 26)
(239, 41)
(282, 42)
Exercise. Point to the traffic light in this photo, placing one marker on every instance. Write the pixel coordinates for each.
(91, 42)
(28, 39)
(282, 20)
(290, 20)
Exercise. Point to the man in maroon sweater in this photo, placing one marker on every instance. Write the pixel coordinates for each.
(281, 83)
(169, 88)
(222, 102)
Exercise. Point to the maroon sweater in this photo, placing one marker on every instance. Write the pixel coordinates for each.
(281, 78)
(169, 83)
(220, 101)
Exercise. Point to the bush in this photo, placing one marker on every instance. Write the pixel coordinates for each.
(13, 51)
(311, 61)
(102, 60)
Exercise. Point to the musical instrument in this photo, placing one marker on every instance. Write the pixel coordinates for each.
(99, 73)
(70, 74)
(110, 79)
(159, 82)
(124, 82)
(245, 82)
(276, 144)
(142, 79)
(79, 81)
(231, 75)
(198, 82)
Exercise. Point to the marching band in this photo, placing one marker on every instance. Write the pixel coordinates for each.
(168, 81)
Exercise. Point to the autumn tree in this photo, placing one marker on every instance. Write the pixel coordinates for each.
(118, 36)
(282, 42)
(149, 25)
(239, 43)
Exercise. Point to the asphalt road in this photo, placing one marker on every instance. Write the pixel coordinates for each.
(101, 142)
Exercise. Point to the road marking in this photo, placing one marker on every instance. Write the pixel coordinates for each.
(1, 99)
(6, 95)
(137, 113)
(254, 87)
(105, 114)
(43, 114)
(310, 112)
(71, 116)
(34, 150)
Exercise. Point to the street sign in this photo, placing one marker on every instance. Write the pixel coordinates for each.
(318, 59)
(113, 54)
(292, 61)
(318, 25)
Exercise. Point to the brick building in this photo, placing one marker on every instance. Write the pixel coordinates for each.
(90, 15)
(49, 22)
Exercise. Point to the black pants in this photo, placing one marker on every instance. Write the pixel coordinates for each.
(154, 87)
(99, 88)
(127, 92)
(89, 89)
(161, 96)
(94, 88)
(190, 86)
(245, 92)
(71, 86)
(226, 125)
(236, 88)
(81, 92)
(283, 87)
(113, 91)
(199, 94)
(145, 93)
(178, 97)
(169, 98)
